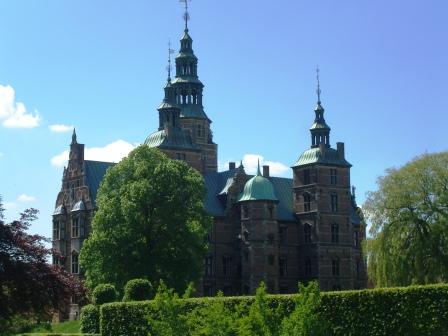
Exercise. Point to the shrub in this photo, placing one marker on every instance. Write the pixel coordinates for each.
(90, 319)
(306, 319)
(138, 290)
(104, 293)
(420, 310)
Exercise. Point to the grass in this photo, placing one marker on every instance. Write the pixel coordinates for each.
(68, 327)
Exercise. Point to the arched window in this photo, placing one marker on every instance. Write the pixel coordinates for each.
(306, 202)
(307, 233)
(334, 233)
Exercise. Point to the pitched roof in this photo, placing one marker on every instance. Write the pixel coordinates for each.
(95, 171)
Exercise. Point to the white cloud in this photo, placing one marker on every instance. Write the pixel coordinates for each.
(59, 128)
(250, 162)
(24, 198)
(112, 152)
(14, 114)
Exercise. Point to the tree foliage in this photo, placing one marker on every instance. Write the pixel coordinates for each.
(409, 218)
(151, 223)
(29, 286)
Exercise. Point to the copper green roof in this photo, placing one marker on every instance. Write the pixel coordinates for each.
(258, 188)
(95, 171)
(178, 139)
(329, 156)
(320, 125)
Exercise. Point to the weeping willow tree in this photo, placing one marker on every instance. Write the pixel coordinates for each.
(409, 224)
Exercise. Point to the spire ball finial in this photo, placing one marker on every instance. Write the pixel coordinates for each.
(318, 91)
(186, 14)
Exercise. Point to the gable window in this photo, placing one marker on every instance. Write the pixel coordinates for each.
(56, 229)
(334, 203)
(283, 266)
(333, 176)
(208, 266)
(75, 227)
(227, 265)
(335, 267)
(334, 233)
(307, 233)
(306, 202)
(282, 232)
(75, 269)
(308, 266)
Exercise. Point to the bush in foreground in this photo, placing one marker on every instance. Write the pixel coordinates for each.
(104, 293)
(138, 290)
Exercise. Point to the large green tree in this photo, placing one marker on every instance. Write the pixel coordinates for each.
(151, 223)
(409, 223)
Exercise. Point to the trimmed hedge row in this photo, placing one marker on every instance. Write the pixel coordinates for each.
(90, 319)
(416, 310)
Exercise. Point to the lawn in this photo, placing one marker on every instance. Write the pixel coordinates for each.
(68, 327)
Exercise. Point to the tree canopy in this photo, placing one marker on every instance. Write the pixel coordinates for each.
(29, 286)
(409, 223)
(151, 223)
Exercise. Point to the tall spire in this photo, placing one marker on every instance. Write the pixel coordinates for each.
(74, 136)
(170, 52)
(258, 168)
(186, 14)
(320, 131)
(318, 91)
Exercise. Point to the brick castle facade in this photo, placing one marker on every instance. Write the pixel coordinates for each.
(277, 230)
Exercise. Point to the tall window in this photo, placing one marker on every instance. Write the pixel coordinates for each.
(227, 265)
(200, 131)
(245, 211)
(335, 267)
(208, 266)
(208, 291)
(356, 238)
(75, 227)
(307, 233)
(75, 269)
(181, 156)
(333, 176)
(334, 203)
(357, 268)
(306, 176)
(56, 229)
(271, 259)
(283, 266)
(308, 266)
(306, 202)
(334, 233)
(282, 233)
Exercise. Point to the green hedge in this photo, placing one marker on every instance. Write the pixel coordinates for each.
(138, 290)
(104, 293)
(417, 310)
(90, 319)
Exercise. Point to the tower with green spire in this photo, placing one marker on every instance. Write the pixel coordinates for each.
(323, 206)
(184, 128)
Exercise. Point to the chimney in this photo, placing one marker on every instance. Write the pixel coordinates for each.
(266, 171)
(231, 165)
(341, 150)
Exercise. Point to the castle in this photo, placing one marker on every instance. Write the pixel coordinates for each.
(277, 230)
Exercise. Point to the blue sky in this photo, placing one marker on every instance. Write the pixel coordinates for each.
(100, 66)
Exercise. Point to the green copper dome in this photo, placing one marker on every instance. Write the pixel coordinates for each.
(258, 188)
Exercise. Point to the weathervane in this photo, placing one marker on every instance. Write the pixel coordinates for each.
(186, 15)
(318, 84)
(170, 52)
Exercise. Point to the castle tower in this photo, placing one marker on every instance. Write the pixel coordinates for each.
(259, 230)
(184, 129)
(323, 207)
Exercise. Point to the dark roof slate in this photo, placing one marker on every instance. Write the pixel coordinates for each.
(95, 171)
